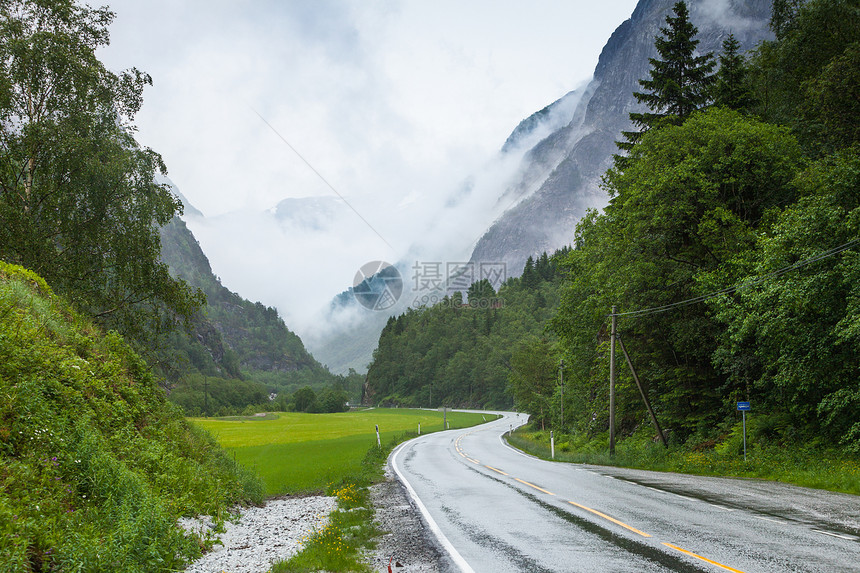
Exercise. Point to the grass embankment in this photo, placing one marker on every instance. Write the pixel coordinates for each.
(298, 452)
(95, 465)
(799, 464)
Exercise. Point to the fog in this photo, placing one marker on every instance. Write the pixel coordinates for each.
(381, 121)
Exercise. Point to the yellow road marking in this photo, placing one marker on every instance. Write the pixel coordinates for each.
(534, 486)
(471, 460)
(612, 519)
(705, 559)
(495, 470)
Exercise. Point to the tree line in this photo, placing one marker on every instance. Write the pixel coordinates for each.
(458, 353)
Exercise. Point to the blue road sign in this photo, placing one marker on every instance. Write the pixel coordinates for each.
(744, 406)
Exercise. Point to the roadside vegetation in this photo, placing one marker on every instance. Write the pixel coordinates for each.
(335, 454)
(96, 464)
(339, 546)
(730, 248)
(807, 465)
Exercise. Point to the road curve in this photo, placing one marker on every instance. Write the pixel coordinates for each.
(496, 509)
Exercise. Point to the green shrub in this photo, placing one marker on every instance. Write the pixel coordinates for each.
(96, 465)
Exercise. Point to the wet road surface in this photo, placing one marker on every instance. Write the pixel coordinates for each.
(497, 509)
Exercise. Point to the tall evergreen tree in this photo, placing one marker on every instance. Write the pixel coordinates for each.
(530, 277)
(731, 89)
(543, 267)
(680, 81)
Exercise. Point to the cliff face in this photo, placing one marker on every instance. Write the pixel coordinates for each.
(559, 178)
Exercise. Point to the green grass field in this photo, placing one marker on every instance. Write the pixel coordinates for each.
(295, 452)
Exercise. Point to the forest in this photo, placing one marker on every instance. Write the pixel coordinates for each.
(729, 248)
(458, 353)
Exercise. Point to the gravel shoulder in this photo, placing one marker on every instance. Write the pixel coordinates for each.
(406, 541)
(273, 532)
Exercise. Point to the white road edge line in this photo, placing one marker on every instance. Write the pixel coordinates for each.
(513, 449)
(769, 519)
(720, 507)
(449, 547)
(849, 538)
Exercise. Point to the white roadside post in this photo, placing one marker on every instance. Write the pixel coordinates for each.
(552, 443)
(378, 442)
(419, 428)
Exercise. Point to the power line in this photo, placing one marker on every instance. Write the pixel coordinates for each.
(691, 301)
(323, 179)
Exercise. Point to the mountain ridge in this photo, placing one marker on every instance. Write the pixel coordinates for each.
(569, 162)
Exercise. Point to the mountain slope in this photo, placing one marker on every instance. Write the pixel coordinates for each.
(254, 332)
(560, 176)
(238, 352)
(96, 465)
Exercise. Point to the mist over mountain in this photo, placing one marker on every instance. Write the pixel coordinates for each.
(525, 200)
(232, 334)
(559, 177)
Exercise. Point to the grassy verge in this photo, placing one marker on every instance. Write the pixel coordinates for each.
(340, 544)
(799, 464)
(295, 452)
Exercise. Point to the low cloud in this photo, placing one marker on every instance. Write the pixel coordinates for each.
(400, 107)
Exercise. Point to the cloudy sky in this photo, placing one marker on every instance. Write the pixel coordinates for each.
(392, 105)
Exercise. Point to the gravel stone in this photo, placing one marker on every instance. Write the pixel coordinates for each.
(406, 542)
(262, 535)
(273, 532)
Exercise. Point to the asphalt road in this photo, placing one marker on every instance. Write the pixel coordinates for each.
(497, 509)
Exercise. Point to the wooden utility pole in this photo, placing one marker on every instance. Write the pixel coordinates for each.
(612, 385)
(644, 396)
(561, 375)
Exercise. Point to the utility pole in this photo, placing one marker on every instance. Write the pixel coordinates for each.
(561, 375)
(612, 385)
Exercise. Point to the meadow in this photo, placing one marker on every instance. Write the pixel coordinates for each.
(297, 452)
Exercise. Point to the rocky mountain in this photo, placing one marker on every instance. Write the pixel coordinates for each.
(231, 335)
(559, 177)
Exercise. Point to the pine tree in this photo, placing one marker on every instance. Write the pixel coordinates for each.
(543, 268)
(680, 81)
(530, 277)
(731, 89)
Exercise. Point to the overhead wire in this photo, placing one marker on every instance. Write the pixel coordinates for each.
(746, 284)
